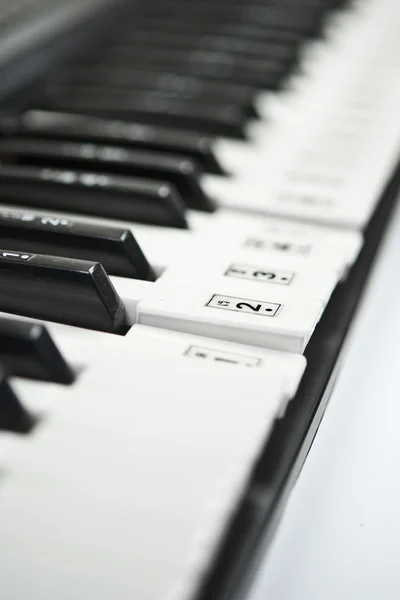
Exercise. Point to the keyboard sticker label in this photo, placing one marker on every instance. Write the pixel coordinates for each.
(253, 273)
(32, 218)
(244, 305)
(55, 222)
(16, 256)
(220, 356)
(257, 243)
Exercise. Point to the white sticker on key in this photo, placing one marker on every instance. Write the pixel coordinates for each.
(258, 243)
(221, 356)
(254, 273)
(244, 305)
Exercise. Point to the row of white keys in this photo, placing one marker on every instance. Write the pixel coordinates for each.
(280, 178)
(150, 450)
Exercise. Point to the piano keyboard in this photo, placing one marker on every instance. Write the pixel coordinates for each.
(190, 204)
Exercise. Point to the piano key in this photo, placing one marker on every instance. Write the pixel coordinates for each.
(289, 366)
(265, 273)
(38, 233)
(79, 348)
(90, 442)
(257, 72)
(242, 46)
(69, 126)
(159, 81)
(13, 416)
(211, 119)
(231, 311)
(112, 196)
(162, 246)
(336, 247)
(254, 32)
(179, 171)
(27, 350)
(305, 20)
(70, 291)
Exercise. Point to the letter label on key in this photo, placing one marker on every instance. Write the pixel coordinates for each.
(16, 256)
(253, 273)
(243, 305)
(220, 356)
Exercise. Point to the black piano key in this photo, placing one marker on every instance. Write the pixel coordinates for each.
(180, 171)
(64, 290)
(170, 85)
(236, 29)
(28, 350)
(220, 66)
(216, 119)
(13, 416)
(222, 43)
(115, 248)
(69, 126)
(302, 19)
(111, 196)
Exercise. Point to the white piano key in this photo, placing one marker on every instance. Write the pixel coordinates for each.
(161, 342)
(133, 447)
(231, 311)
(300, 241)
(266, 272)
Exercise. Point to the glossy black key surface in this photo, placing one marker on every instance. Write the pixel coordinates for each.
(235, 29)
(112, 196)
(220, 66)
(222, 43)
(180, 171)
(217, 119)
(115, 248)
(13, 416)
(27, 350)
(304, 19)
(64, 290)
(69, 126)
(157, 80)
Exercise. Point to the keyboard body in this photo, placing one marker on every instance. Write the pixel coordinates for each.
(266, 485)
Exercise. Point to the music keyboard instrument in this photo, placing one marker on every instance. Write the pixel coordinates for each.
(192, 196)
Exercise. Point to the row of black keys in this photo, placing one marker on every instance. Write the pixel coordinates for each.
(192, 66)
(62, 273)
(152, 173)
(163, 165)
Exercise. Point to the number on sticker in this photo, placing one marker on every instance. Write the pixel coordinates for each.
(254, 273)
(244, 305)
